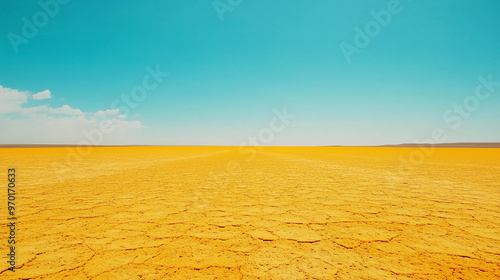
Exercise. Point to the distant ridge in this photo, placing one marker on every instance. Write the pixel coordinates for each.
(404, 145)
(448, 145)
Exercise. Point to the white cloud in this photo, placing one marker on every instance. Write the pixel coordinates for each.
(11, 100)
(42, 95)
(45, 129)
(36, 109)
(65, 110)
(62, 125)
(105, 114)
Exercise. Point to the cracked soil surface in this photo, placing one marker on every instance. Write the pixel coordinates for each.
(287, 213)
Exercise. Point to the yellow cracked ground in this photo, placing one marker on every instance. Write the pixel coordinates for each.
(288, 213)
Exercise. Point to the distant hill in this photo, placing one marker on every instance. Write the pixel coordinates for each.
(449, 145)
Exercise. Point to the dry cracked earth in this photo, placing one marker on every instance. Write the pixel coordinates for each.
(279, 213)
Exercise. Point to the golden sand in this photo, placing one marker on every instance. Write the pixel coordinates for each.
(287, 213)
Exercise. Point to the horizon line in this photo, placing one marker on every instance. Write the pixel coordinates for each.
(402, 145)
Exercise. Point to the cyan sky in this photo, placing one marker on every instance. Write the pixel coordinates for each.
(227, 76)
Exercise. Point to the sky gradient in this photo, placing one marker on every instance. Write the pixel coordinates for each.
(233, 69)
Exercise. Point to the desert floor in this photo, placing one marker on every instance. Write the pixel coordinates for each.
(230, 213)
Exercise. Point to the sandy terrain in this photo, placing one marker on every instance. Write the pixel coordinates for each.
(288, 213)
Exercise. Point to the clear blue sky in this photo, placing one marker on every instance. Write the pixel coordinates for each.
(226, 76)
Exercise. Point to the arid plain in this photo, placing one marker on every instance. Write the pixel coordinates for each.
(279, 213)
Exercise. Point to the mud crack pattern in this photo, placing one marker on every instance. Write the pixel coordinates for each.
(288, 213)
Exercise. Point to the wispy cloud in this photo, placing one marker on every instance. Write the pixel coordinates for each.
(21, 123)
(12, 99)
(107, 113)
(42, 95)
